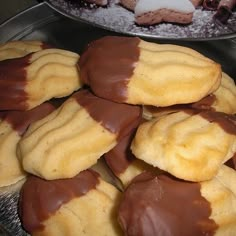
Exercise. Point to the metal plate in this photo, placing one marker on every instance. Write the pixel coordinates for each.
(116, 18)
(42, 23)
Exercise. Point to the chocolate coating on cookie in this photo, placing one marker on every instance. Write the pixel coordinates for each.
(13, 81)
(205, 103)
(120, 157)
(162, 205)
(232, 162)
(226, 121)
(20, 120)
(40, 198)
(115, 59)
(115, 117)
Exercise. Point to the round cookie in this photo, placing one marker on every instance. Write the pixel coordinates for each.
(130, 70)
(76, 135)
(13, 124)
(163, 205)
(83, 205)
(150, 12)
(190, 145)
(28, 81)
(15, 49)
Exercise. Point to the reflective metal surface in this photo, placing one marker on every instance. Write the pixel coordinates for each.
(42, 23)
(116, 18)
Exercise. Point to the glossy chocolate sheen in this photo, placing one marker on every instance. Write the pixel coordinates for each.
(164, 206)
(108, 64)
(120, 157)
(13, 81)
(118, 118)
(20, 120)
(39, 199)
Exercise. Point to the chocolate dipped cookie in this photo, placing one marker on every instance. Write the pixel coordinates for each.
(191, 144)
(76, 135)
(83, 205)
(13, 125)
(130, 70)
(163, 205)
(28, 81)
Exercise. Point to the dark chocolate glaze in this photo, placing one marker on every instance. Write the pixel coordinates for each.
(108, 64)
(118, 118)
(120, 157)
(39, 199)
(226, 121)
(20, 120)
(205, 103)
(13, 82)
(164, 206)
(232, 162)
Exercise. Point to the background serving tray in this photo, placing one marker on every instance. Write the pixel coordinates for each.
(116, 18)
(42, 23)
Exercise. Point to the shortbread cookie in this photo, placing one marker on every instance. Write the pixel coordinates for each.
(15, 49)
(190, 145)
(129, 4)
(13, 124)
(83, 205)
(223, 99)
(163, 205)
(30, 80)
(150, 12)
(123, 163)
(76, 135)
(134, 71)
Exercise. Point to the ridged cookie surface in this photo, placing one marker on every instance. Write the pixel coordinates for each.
(83, 205)
(13, 124)
(15, 49)
(134, 71)
(191, 145)
(28, 81)
(76, 135)
(223, 99)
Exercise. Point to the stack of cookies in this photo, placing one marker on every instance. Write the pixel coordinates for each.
(160, 117)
